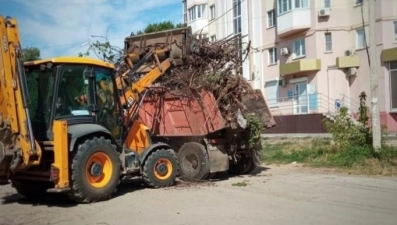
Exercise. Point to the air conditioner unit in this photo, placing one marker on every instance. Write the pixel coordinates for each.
(351, 71)
(284, 51)
(350, 52)
(324, 12)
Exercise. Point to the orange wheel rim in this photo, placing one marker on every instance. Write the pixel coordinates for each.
(99, 170)
(163, 169)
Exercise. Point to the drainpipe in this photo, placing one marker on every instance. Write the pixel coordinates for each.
(250, 53)
(334, 67)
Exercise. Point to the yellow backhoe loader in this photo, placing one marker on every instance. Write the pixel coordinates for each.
(63, 124)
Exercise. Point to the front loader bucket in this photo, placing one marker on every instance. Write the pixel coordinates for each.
(173, 40)
(256, 104)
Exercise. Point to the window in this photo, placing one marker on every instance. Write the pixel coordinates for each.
(272, 93)
(192, 13)
(198, 11)
(272, 56)
(202, 11)
(299, 48)
(284, 6)
(327, 4)
(237, 16)
(360, 39)
(271, 18)
(328, 42)
(393, 85)
(213, 38)
(301, 3)
(395, 30)
(40, 84)
(212, 9)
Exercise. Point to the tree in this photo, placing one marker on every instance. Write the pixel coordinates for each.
(104, 51)
(155, 27)
(31, 53)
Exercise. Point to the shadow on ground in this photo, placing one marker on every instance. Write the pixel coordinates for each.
(126, 186)
(61, 200)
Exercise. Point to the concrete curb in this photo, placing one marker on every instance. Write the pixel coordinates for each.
(392, 136)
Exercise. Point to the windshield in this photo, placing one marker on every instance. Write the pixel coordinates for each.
(40, 89)
(73, 98)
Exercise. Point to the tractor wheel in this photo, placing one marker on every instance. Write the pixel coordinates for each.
(253, 166)
(194, 161)
(31, 190)
(95, 171)
(243, 166)
(160, 169)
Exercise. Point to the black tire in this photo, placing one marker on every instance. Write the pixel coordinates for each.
(243, 166)
(253, 166)
(31, 190)
(82, 190)
(151, 173)
(194, 161)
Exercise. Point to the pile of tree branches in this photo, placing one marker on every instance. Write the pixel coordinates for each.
(215, 67)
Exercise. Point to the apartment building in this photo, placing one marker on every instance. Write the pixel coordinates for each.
(219, 19)
(309, 57)
(317, 61)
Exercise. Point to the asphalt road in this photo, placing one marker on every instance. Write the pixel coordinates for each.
(279, 195)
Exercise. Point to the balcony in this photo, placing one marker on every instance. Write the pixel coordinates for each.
(388, 55)
(348, 61)
(293, 21)
(299, 66)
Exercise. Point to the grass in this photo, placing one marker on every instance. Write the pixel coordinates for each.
(322, 152)
(241, 184)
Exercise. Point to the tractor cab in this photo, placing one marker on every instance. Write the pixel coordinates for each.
(78, 90)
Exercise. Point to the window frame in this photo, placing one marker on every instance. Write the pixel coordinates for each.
(394, 110)
(271, 18)
(237, 16)
(213, 38)
(302, 48)
(280, 6)
(272, 54)
(301, 3)
(272, 103)
(327, 4)
(198, 12)
(328, 42)
(192, 13)
(395, 30)
(212, 12)
(358, 30)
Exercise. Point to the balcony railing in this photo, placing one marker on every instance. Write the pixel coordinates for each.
(311, 103)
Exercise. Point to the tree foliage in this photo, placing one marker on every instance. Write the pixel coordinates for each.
(346, 131)
(104, 51)
(155, 27)
(31, 53)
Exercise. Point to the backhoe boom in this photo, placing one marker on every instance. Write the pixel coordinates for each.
(18, 147)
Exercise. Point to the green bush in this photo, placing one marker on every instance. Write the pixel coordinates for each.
(345, 131)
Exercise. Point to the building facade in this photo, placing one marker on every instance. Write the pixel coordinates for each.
(310, 57)
(316, 58)
(219, 19)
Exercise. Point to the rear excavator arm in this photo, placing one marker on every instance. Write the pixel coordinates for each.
(18, 147)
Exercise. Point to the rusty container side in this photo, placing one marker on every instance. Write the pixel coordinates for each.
(257, 105)
(174, 40)
(170, 115)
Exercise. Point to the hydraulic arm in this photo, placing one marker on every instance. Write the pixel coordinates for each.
(18, 147)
